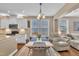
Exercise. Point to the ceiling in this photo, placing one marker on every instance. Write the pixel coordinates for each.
(74, 13)
(30, 9)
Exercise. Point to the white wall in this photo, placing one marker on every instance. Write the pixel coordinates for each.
(21, 22)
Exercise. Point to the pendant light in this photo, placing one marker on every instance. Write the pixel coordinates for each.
(41, 15)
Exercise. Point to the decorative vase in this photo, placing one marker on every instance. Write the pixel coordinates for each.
(38, 39)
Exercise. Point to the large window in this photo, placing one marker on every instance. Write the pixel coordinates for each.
(63, 26)
(40, 27)
(76, 26)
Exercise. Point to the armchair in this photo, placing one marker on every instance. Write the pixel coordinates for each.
(61, 44)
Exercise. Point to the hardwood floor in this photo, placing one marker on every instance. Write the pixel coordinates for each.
(22, 52)
(25, 51)
(71, 52)
(19, 46)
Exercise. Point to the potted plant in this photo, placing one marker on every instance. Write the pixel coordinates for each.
(39, 37)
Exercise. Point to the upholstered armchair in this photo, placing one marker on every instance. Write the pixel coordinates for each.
(61, 44)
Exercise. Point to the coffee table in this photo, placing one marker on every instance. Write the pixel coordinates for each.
(38, 48)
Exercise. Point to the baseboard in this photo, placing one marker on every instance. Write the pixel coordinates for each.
(13, 52)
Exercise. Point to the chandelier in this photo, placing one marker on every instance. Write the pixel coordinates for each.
(40, 15)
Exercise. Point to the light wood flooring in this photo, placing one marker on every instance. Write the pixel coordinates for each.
(71, 52)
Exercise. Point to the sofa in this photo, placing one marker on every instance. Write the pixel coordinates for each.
(74, 42)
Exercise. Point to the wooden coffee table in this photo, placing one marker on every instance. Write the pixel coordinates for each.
(38, 50)
(47, 44)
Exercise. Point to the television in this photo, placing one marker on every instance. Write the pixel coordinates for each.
(13, 26)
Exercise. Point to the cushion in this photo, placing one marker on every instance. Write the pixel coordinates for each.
(76, 37)
(71, 36)
(44, 38)
(75, 41)
(61, 43)
(33, 38)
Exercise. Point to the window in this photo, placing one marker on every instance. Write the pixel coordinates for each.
(63, 26)
(39, 26)
(76, 26)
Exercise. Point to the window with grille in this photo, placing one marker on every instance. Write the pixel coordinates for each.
(39, 27)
